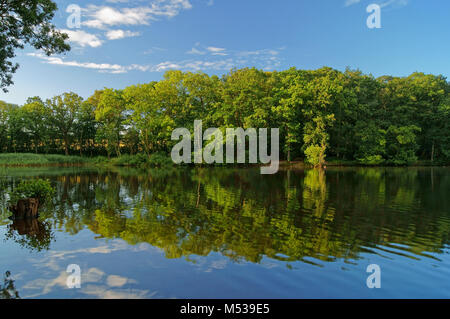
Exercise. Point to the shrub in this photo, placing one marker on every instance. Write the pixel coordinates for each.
(159, 159)
(130, 160)
(40, 189)
(315, 155)
(371, 160)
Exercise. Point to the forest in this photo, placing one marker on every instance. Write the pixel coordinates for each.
(322, 114)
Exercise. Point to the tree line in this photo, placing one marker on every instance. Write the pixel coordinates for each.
(323, 113)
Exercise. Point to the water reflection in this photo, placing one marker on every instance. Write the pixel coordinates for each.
(291, 216)
(7, 288)
(32, 234)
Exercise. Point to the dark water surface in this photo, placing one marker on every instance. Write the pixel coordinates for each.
(232, 233)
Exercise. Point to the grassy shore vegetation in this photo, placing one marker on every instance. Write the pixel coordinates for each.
(345, 117)
(137, 160)
(39, 159)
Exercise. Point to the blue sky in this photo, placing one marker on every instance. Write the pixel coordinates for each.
(124, 42)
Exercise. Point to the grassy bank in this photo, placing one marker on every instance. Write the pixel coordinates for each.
(154, 160)
(349, 163)
(138, 160)
(29, 159)
(22, 159)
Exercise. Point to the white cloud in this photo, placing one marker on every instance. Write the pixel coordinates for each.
(92, 285)
(118, 281)
(153, 50)
(83, 38)
(258, 52)
(106, 67)
(105, 16)
(164, 66)
(120, 34)
(224, 65)
(101, 17)
(351, 2)
(104, 292)
(195, 51)
(215, 50)
(267, 59)
(397, 3)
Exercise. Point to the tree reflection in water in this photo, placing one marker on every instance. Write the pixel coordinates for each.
(32, 234)
(323, 214)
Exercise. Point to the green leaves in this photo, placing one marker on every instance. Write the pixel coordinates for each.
(27, 22)
(110, 112)
(321, 114)
(40, 189)
(401, 144)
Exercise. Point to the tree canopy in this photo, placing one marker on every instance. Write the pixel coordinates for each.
(322, 114)
(27, 22)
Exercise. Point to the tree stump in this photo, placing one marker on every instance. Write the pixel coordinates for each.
(25, 208)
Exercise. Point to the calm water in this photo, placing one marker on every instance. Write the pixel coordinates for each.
(232, 233)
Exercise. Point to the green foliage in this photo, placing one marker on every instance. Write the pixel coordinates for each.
(371, 144)
(110, 112)
(130, 160)
(64, 110)
(36, 188)
(38, 238)
(159, 159)
(324, 113)
(402, 145)
(138, 160)
(372, 160)
(315, 155)
(12, 159)
(27, 22)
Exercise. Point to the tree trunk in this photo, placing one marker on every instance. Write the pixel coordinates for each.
(66, 145)
(432, 152)
(25, 208)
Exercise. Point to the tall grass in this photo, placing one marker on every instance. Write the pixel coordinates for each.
(39, 159)
(138, 160)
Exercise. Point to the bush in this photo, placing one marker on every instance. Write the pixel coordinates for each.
(371, 160)
(315, 155)
(98, 160)
(40, 189)
(159, 159)
(130, 160)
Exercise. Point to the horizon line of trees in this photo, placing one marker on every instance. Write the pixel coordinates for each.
(321, 113)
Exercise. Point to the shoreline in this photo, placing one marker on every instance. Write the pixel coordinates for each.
(102, 162)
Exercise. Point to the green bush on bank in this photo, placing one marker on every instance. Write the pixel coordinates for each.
(136, 160)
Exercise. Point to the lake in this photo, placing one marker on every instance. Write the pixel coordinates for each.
(231, 233)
